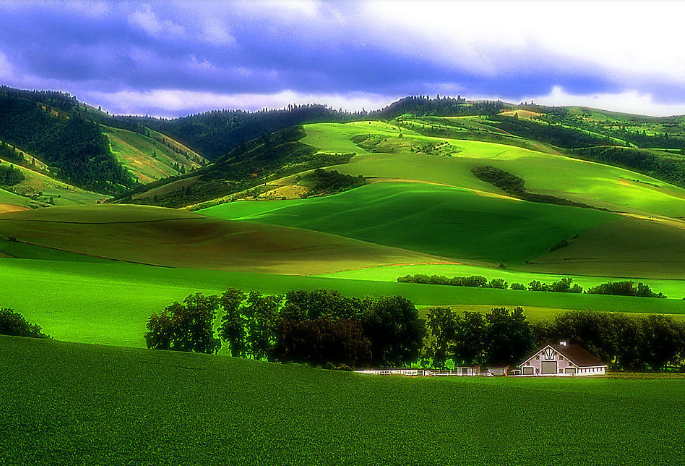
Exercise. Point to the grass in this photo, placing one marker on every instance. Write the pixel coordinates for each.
(674, 289)
(581, 181)
(135, 406)
(437, 220)
(147, 158)
(625, 248)
(110, 302)
(172, 238)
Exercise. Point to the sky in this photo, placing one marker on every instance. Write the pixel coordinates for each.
(176, 58)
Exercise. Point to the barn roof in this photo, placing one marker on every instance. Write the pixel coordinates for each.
(577, 354)
(573, 352)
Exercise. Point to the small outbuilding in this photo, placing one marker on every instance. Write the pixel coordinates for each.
(562, 358)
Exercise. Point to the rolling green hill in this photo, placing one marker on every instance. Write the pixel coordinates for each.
(137, 406)
(171, 238)
(151, 158)
(437, 220)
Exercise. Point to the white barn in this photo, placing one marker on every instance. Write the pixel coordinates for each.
(562, 358)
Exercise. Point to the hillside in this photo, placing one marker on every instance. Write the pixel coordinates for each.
(75, 144)
(189, 408)
(150, 158)
(72, 146)
(170, 238)
(250, 166)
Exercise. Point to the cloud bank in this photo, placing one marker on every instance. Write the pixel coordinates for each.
(175, 58)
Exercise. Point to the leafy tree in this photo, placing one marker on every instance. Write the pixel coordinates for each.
(395, 330)
(509, 337)
(662, 341)
(12, 323)
(261, 313)
(322, 341)
(234, 322)
(470, 337)
(442, 324)
(185, 327)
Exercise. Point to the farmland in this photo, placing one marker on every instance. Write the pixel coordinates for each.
(182, 408)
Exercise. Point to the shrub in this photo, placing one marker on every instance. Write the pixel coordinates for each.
(12, 323)
(498, 283)
(518, 286)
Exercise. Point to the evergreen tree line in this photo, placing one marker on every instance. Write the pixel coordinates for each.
(76, 148)
(11, 154)
(315, 327)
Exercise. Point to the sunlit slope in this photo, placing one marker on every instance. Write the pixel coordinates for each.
(673, 289)
(167, 237)
(581, 181)
(150, 158)
(438, 220)
(39, 189)
(9, 202)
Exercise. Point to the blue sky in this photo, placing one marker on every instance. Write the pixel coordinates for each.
(175, 58)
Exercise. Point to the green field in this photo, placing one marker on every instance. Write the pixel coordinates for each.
(674, 289)
(146, 157)
(129, 406)
(437, 220)
(109, 302)
(581, 181)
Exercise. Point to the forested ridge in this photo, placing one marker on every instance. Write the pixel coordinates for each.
(75, 148)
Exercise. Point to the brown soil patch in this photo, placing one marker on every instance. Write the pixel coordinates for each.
(5, 208)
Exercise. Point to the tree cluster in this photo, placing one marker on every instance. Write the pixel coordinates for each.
(625, 342)
(564, 285)
(315, 327)
(501, 336)
(9, 176)
(625, 288)
(322, 181)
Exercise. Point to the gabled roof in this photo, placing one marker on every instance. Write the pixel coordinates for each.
(574, 353)
(577, 355)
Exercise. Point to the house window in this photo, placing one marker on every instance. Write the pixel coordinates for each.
(561, 358)
(537, 358)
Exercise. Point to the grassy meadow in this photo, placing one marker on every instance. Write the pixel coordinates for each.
(135, 406)
(177, 238)
(592, 183)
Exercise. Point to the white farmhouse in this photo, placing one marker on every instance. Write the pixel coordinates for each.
(562, 359)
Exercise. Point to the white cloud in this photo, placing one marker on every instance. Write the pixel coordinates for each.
(626, 42)
(174, 102)
(216, 33)
(147, 20)
(6, 69)
(629, 101)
